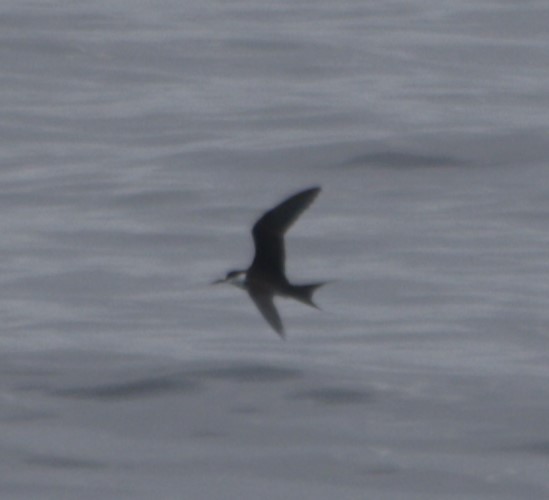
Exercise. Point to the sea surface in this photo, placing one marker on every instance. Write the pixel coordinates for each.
(139, 142)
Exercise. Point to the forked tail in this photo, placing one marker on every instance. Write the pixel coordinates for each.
(304, 293)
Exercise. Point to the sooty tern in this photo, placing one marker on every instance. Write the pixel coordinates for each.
(266, 277)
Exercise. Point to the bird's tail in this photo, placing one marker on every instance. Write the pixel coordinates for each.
(304, 293)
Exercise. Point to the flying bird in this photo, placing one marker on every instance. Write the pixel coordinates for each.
(266, 277)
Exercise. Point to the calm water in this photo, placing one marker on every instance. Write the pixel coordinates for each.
(141, 140)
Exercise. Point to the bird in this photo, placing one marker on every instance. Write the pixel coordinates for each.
(266, 276)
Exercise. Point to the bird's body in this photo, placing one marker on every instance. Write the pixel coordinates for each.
(266, 277)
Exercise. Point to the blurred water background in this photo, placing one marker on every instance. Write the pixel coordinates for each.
(139, 142)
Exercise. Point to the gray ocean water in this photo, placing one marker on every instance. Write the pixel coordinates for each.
(139, 143)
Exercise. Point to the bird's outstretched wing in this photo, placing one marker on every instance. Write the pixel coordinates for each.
(265, 304)
(268, 231)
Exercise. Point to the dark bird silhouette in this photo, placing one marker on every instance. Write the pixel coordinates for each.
(266, 277)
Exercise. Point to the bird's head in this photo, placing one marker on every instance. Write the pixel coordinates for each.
(235, 277)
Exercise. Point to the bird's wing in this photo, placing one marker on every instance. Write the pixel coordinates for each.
(268, 231)
(265, 304)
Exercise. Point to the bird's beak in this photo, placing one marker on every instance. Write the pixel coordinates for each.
(218, 282)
